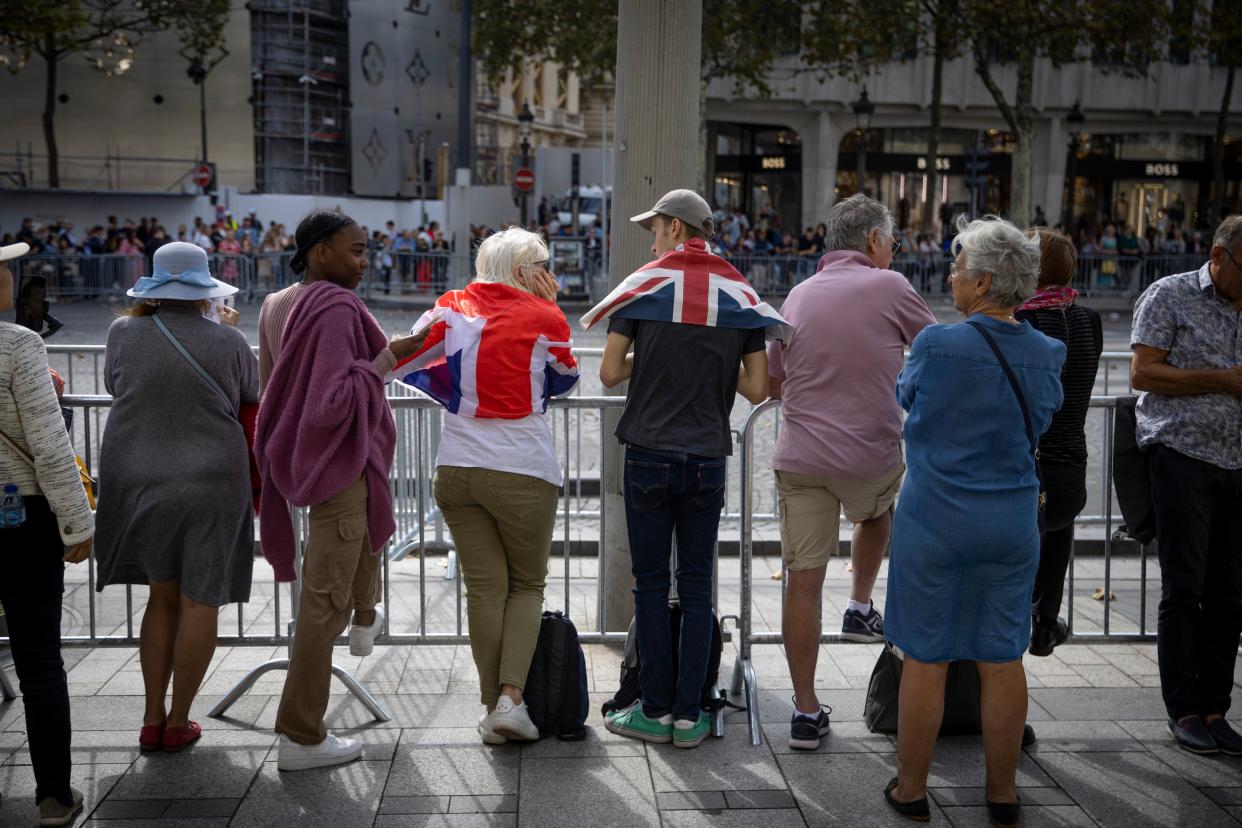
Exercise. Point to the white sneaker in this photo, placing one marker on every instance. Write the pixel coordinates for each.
(53, 814)
(490, 736)
(362, 639)
(513, 720)
(333, 750)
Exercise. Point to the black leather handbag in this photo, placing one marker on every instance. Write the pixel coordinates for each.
(961, 696)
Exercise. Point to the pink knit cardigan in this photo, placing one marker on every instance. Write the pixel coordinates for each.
(324, 420)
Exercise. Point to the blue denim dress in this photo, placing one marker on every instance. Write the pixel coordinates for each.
(965, 540)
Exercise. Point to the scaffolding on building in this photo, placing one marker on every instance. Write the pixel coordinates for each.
(300, 80)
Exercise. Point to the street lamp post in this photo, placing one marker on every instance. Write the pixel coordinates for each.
(525, 118)
(197, 72)
(863, 110)
(1075, 119)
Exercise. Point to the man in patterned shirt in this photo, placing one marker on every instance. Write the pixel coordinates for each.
(1187, 342)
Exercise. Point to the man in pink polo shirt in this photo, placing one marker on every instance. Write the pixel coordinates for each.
(840, 444)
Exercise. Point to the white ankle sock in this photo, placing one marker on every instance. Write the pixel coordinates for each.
(865, 609)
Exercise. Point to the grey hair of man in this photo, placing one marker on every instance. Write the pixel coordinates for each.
(993, 245)
(851, 221)
(1229, 233)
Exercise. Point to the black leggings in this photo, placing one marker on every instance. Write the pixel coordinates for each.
(1066, 486)
(31, 590)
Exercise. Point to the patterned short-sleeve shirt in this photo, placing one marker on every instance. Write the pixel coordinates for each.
(1185, 316)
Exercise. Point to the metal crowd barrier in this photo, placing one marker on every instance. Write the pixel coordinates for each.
(744, 678)
(420, 531)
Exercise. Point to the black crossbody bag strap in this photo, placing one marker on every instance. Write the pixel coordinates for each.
(1013, 383)
(1026, 416)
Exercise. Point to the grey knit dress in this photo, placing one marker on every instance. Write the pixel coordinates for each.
(174, 469)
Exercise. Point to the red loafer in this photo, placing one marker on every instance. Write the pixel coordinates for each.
(179, 738)
(151, 737)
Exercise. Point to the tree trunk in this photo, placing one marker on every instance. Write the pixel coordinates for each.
(930, 209)
(658, 73)
(49, 116)
(1218, 148)
(1020, 177)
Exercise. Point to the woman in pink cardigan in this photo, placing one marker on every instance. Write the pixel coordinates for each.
(325, 439)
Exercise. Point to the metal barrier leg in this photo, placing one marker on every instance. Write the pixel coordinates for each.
(752, 703)
(362, 694)
(245, 684)
(450, 568)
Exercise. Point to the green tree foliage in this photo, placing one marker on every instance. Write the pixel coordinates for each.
(741, 38)
(1222, 40)
(104, 32)
(1017, 33)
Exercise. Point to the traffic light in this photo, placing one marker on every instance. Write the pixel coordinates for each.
(427, 170)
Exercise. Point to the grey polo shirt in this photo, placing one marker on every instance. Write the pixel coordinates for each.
(1185, 316)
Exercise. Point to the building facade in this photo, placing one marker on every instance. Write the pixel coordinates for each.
(1143, 155)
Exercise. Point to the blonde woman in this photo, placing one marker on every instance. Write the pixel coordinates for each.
(52, 525)
(495, 353)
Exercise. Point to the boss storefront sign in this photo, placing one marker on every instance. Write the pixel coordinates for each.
(1162, 170)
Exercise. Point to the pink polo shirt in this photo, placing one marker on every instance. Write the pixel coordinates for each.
(851, 323)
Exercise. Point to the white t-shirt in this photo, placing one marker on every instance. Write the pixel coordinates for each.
(521, 446)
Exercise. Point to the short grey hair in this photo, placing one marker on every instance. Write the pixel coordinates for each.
(501, 252)
(993, 245)
(851, 221)
(1229, 233)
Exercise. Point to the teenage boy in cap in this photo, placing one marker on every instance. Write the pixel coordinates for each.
(697, 331)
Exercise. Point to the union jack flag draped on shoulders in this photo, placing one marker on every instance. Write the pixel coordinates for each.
(493, 352)
(693, 286)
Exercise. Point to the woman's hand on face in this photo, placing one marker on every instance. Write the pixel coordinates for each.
(79, 551)
(542, 284)
(403, 347)
(229, 316)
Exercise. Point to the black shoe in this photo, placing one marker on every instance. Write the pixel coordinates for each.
(1028, 736)
(1003, 814)
(918, 809)
(1045, 636)
(868, 629)
(1193, 736)
(1225, 737)
(804, 733)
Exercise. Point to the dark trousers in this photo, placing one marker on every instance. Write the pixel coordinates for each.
(1066, 486)
(31, 591)
(667, 494)
(1199, 531)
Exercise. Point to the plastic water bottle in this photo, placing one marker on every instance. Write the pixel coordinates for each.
(12, 508)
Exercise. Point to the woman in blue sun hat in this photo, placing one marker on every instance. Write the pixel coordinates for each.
(174, 476)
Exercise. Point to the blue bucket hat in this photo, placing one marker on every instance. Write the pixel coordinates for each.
(179, 271)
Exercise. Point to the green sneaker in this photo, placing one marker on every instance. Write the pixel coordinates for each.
(632, 722)
(688, 734)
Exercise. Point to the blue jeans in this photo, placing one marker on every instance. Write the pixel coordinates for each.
(667, 493)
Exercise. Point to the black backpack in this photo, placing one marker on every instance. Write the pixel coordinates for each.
(556, 686)
(630, 691)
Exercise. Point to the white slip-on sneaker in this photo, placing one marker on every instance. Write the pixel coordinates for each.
(490, 736)
(513, 720)
(362, 639)
(333, 750)
(54, 813)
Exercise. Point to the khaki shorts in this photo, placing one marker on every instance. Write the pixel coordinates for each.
(810, 511)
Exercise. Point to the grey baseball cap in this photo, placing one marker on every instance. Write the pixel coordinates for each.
(686, 205)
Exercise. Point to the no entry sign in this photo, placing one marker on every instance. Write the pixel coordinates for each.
(203, 175)
(523, 179)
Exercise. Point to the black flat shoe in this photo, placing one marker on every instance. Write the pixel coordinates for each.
(1028, 735)
(1193, 736)
(1003, 814)
(1225, 737)
(917, 810)
(1047, 636)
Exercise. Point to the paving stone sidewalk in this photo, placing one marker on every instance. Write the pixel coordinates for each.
(1103, 757)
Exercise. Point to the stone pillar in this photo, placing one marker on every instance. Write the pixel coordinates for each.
(659, 61)
(1050, 151)
(821, 141)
